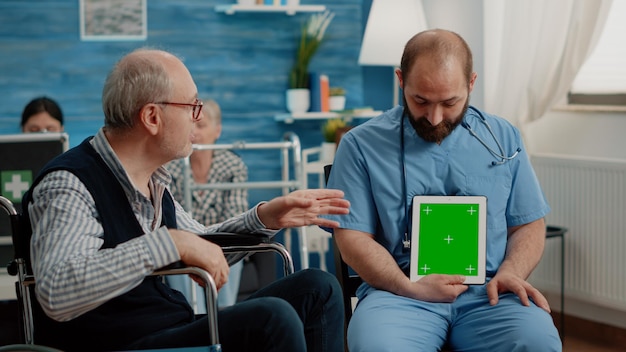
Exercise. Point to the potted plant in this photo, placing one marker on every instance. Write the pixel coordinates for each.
(312, 34)
(337, 100)
(329, 130)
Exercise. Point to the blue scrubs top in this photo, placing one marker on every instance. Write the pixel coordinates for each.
(368, 167)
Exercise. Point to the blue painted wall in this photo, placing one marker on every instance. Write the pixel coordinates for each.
(241, 61)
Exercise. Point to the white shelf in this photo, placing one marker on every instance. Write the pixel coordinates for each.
(289, 10)
(348, 115)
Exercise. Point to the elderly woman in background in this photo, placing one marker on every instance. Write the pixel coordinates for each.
(211, 206)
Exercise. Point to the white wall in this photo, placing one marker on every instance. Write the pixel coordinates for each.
(589, 134)
(465, 18)
(580, 133)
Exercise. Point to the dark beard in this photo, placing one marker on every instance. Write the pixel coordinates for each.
(430, 133)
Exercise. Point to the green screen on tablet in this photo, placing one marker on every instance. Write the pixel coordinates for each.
(449, 237)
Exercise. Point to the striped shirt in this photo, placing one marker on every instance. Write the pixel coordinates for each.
(73, 275)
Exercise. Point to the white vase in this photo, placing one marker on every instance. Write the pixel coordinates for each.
(327, 154)
(337, 103)
(298, 100)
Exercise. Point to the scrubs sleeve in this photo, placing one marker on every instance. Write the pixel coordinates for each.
(527, 202)
(350, 174)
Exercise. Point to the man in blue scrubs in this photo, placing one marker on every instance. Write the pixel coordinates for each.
(439, 145)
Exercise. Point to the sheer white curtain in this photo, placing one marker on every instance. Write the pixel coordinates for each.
(533, 50)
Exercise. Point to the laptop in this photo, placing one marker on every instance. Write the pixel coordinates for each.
(448, 236)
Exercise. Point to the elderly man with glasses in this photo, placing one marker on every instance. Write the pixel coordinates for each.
(103, 219)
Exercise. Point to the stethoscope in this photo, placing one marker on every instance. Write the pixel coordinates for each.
(501, 156)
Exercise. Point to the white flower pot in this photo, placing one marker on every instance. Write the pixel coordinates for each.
(298, 100)
(327, 155)
(337, 103)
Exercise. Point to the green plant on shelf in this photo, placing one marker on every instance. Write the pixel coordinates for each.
(311, 37)
(330, 128)
(336, 91)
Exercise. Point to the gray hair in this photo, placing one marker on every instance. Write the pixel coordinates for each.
(212, 111)
(137, 79)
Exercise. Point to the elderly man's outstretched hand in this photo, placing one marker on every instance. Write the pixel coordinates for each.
(302, 208)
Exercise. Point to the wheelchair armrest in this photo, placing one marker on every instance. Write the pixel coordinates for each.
(237, 246)
(228, 239)
(176, 265)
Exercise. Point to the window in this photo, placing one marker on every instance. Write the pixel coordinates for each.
(602, 79)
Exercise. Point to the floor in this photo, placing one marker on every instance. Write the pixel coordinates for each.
(576, 344)
(585, 336)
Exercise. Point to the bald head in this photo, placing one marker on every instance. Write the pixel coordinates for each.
(139, 78)
(442, 47)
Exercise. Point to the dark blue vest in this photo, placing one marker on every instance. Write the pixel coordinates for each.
(148, 308)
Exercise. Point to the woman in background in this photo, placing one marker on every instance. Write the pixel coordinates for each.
(42, 114)
(211, 206)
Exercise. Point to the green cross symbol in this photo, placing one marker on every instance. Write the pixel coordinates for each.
(15, 183)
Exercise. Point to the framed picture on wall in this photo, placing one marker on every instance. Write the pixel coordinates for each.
(113, 20)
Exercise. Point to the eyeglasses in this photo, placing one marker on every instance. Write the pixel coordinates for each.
(195, 111)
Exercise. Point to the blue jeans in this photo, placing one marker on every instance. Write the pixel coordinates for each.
(300, 312)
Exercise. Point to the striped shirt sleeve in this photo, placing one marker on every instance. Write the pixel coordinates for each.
(73, 275)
